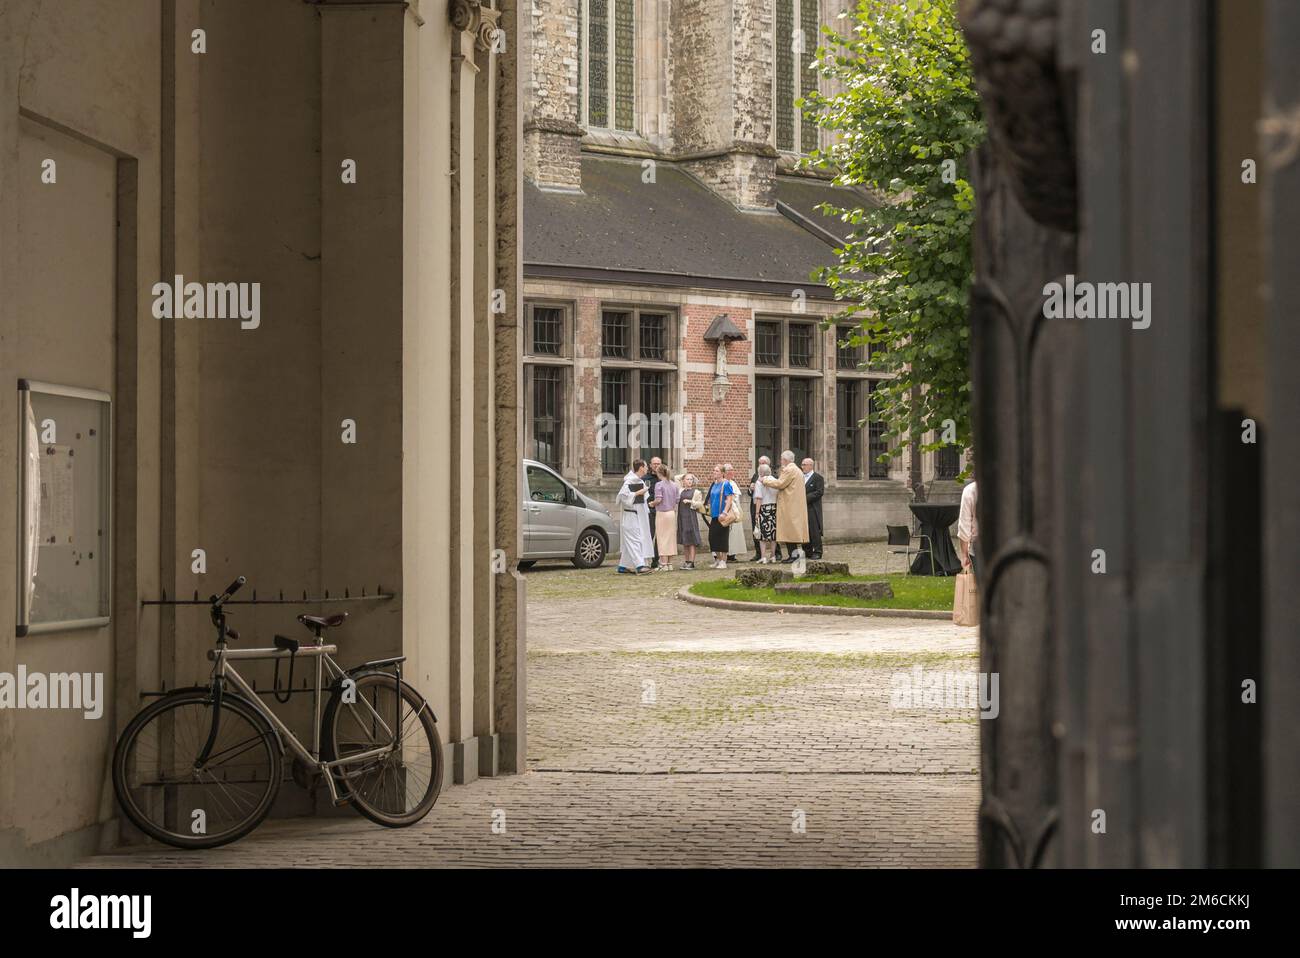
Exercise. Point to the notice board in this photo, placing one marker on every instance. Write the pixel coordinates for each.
(64, 503)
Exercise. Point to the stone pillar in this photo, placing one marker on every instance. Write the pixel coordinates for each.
(459, 468)
(552, 136)
(490, 42)
(179, 454)
(722, 97)
(509, 680)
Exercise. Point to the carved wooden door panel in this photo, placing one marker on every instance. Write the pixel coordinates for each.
(1091, 434)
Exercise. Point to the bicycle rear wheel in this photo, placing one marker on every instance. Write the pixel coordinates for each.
(398, 787)
(166, 797)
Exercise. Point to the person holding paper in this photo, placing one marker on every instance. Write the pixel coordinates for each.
(637, 549)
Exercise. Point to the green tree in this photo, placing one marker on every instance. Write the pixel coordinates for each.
(905, 116)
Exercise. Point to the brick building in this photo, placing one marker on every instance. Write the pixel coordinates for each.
(662, 199)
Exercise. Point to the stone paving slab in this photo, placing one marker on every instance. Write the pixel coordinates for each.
(650, 821)
(735, 711)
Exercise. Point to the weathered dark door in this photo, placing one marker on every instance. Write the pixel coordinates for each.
(1118, 512)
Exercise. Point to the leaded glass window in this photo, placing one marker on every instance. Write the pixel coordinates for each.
(877, 444)
(796, 38)
(615, 334)
(801, 418)
(847, 356)
(654, 336)
(807, 75)
(598, 62)
(546, 414)
(767, 417)
(947, 462)
(801, 344)
(848, 445)
(767, 344)
(615, 393)
(785, 67)
(655, 426)
(624, 61)
(607, 75)
(548, 330)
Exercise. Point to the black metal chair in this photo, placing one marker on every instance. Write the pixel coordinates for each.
(900, 543)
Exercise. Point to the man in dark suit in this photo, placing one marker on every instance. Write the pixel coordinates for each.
(814, 486)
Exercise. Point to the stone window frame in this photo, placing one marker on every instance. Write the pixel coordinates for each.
(584, 85)
(636, 365)
(784, 372)
(798, 67)
(563, 362)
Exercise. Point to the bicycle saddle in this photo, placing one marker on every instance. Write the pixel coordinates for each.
(323, 621)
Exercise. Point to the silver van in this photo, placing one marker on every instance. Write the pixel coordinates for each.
(562, 523)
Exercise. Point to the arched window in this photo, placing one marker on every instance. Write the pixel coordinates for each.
(607, 75)
(796, 48)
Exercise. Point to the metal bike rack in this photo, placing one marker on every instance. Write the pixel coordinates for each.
(378, 595)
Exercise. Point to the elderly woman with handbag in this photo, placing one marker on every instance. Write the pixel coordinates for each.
(724, 505)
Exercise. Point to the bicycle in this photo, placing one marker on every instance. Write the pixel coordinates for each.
(213, 755)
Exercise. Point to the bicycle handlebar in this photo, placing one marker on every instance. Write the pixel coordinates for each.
(230, 590)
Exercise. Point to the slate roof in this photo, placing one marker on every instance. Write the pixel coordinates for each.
(675, 231)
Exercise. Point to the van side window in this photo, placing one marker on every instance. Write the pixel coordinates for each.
(545, 486)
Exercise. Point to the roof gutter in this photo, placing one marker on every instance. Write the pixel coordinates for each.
(637, 277)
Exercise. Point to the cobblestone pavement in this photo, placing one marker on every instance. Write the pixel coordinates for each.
(667, 734)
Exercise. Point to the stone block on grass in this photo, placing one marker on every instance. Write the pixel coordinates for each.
(854, 590)
(823, 567)
(762, 578)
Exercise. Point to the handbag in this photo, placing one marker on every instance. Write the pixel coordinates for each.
(732, 515)
(966, 601)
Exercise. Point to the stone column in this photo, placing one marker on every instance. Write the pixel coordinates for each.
(491, 41)
(509, 681)
(179, 410)
(552, 137)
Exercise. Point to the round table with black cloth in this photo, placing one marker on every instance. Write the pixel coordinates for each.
(933, 520)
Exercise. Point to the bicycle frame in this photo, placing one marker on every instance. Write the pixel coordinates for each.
(224, 671)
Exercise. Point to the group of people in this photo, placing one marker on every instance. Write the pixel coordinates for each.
(785, 509)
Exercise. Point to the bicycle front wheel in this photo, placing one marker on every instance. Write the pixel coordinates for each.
(397, 784)
(167, 797)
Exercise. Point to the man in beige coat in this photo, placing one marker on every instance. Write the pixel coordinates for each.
(791, 505)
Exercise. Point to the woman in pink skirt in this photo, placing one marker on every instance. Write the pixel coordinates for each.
(666, 496)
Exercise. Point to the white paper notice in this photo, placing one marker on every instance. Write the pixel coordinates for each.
(57, 502)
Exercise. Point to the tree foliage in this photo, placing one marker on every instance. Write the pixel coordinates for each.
(905, 117)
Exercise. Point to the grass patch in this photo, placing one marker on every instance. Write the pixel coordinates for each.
(910, 592)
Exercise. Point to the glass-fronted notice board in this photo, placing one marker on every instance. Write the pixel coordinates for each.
(64, 503)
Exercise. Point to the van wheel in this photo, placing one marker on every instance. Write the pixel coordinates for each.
(590, 551)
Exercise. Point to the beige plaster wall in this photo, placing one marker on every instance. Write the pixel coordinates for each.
(72, 314)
